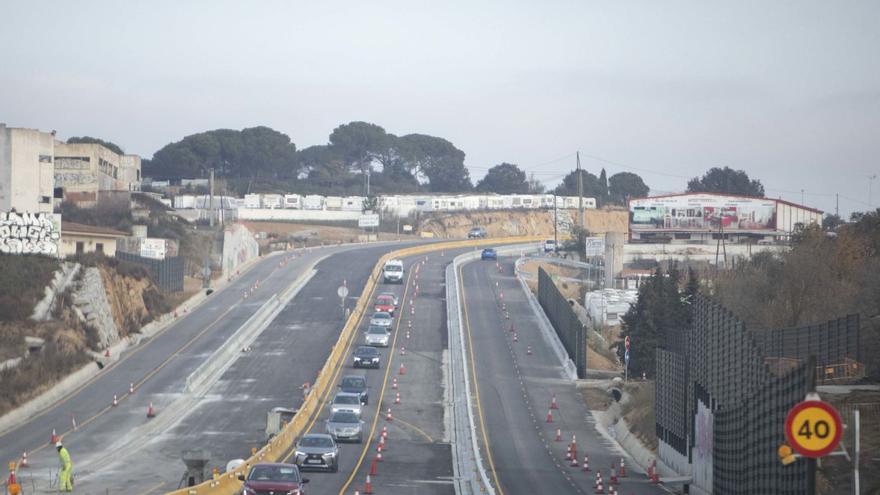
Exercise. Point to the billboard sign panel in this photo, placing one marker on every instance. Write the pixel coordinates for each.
(705, 212)
(153, 248)
(368, 220)
(594, 246)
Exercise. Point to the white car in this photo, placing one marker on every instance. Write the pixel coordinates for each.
(377, 336)
(549, 246)
(344, 401)
(381, 319)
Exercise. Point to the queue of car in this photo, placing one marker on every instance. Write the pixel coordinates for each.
(320, 451)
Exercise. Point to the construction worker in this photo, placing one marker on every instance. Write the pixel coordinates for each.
(65, 481)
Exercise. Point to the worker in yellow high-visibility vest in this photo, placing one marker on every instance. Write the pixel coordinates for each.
(65, 481)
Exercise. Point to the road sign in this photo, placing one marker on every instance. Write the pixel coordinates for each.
(594, 246)
(626, 344)
(342, 291)
(813, 428)
(626, 356)
(368, 220)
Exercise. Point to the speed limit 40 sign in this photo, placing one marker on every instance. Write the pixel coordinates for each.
(813, 428)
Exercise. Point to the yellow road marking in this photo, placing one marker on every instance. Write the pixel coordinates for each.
(154, 488)
(416, 428)
(388, 369)
(467, 325)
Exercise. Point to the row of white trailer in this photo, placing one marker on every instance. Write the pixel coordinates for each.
(404, 205)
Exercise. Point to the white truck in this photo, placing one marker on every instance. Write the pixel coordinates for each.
(392, 272)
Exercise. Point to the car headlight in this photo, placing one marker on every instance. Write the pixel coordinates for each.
(375, 360)
(328, 455)
(300, 455)
(334, 409)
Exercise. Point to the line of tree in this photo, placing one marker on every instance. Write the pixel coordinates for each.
(261, 159)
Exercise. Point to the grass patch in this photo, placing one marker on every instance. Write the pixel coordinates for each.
(22, 282)
(37, 373)
(639, 412)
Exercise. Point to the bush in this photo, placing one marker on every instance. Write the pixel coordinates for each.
(23, 279)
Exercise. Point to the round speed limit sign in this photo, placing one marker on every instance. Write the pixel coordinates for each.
(813, 428)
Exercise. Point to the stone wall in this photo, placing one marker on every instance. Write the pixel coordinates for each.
(239, 246)
(90, 303)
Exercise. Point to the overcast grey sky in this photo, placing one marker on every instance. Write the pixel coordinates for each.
(787, 90)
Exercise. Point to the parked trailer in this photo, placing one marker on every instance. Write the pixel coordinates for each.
(292, 201)
(272, 200)
(353, 203)
(333, 203)
(252, 201)
(313, 202)
(186, 202)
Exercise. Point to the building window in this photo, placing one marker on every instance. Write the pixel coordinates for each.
(45, 199)
(80, 247)
(45, 158)
(99, 247)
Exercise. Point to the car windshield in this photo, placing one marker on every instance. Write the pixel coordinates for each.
(367, 351)
(393, 268)
(344, 417)
(377, 330)
(316, 442)
(355, 383)
(384, 300)
(381, 316)
(274, 473)
(347, 399)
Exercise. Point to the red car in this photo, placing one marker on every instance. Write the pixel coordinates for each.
(385, 303)
(273, 477)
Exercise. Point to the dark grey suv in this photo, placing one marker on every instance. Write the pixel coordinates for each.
(477, 233)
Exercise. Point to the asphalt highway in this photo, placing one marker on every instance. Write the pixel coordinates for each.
(514, 390)
(418, 457)
(230, 419)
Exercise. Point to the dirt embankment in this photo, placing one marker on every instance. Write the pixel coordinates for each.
(125, 294)
(520, 222)
(311, 234)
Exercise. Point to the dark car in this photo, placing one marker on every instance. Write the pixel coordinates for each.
(355, 384)
(489, 254)
(477, 233)
(317, 451)
(367, 357)
(273, 477)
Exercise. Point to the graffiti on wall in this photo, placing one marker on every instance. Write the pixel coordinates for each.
(30, 233)
(74, 178)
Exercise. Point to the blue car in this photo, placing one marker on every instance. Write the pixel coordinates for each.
(489, 254)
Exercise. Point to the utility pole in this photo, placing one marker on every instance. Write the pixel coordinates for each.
(870, 183)
(856, 481)
(211, 198)
(555, 222)
(581, 192)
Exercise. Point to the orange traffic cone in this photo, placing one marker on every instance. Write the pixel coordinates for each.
(529, 350)
(388, 415)
(151, 413)
(384, 431)
(115, 402)
(402, 351)
(568, 453)
(23, 463)
(558, 434)
(53, 438)
(373, 467)
(394, 383)
(549, 415)
(574, 460)
(622, 468)
(613, 479)
(407, 334)
(131, 388)
(586, 463)
(397, 399)
(402, 370)
(368, 486)
(379, 457)
(515, 338)
(553, 404)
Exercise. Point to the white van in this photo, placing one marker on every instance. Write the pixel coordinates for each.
(392, 272)
(550, 246)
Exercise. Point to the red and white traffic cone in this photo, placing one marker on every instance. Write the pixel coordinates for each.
(568, 453)
(381, 447)
(384, 431)
(151, 413)
(586, 463)
(407, 334)
(397, 398)
(408, 323)
(107, 353)
(613, 479)
(402, 369)
(379, 457)
(53, 438)
(131, 388)
(23, 463)
(368, 486)
(388, 416)
(394, 383)
(553, 404)
(549, 415)
(402, 351)
(374, 467)
(558, 434)
(574, 460)
(115, 402)
(528, 350)
(622, 468)
(515, 338)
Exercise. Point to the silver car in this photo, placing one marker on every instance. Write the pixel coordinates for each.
(377, 336)
(345, 401)
(317, 451)
(345, 426)
(381, 319)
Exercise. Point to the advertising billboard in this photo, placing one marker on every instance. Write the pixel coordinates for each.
(702, 212)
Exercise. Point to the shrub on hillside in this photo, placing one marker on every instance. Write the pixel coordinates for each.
(22, 281)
